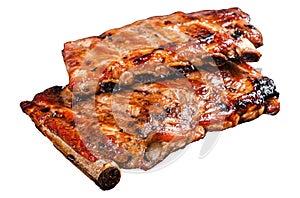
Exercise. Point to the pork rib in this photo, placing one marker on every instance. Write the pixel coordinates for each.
(142, 91)
(175, 40)
(156, 118)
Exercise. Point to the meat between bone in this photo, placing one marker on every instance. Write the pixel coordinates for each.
(174, 40)
(139, 126)
(142, 91)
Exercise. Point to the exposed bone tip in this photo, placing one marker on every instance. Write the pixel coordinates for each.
(109, 178)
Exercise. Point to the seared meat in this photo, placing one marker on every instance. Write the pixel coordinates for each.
(139, 126)
(142, 91)
(178, 39)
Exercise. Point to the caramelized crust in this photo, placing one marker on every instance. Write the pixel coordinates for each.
(139, 126)
(139, 92)
(178, 39)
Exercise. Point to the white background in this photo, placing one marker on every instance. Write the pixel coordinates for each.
(255, 159)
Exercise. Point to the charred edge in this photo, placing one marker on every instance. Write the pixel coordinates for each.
(52, 94)
(251, 57)
(244, 102)
(250, 26)
(71, 158)
(177, 72)
(55, 90)
(104, 35)
(147, 78)
(264, 89)
(25, 105)
(109, 178)
(39, 129)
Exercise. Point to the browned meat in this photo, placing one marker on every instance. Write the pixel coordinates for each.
(139, 126)
(142, 91)
(174, 40)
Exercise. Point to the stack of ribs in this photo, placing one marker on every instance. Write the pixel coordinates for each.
(140, 92)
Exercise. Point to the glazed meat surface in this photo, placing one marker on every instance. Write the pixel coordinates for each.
(142, 91)
(178, 39)
(137, 126)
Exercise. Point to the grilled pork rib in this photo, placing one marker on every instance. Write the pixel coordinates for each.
(142, 91)
(175, 40)
(154, 119)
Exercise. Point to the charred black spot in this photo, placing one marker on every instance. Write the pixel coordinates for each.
(175, 72)
(142, 59)
(54, 92)
(54, 115)
(237, 34)
(72, 123)
(161, 48)
(251, 57)
(57, 114)
(232, 90)
(243, 102)
(250, 26)
(104, 35)
(106, 87)
(205, 35)
(219, 60)
(266, 87)
(167, 22)
(45, 110)
(168, 110)
(71, 158)
(25, 104)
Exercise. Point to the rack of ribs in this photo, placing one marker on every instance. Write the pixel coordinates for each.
(140, 92)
